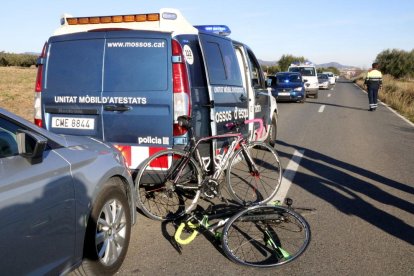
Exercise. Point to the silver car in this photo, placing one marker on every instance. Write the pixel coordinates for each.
(65, 202)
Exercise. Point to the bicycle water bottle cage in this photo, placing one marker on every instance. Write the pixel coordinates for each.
(184, 121)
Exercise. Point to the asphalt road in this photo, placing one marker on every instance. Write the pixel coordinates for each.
(354, 166)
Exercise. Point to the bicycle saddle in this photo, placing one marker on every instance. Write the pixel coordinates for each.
(184, 121)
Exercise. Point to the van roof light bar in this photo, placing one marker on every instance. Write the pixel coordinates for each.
(217, 29)
(67, 19)
(166, 20)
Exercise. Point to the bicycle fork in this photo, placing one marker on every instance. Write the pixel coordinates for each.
(279, 251)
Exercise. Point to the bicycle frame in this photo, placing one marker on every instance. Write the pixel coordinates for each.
(270, 236)
(222, 165)
(204, 223)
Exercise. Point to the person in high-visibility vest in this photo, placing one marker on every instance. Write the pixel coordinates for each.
(373, 81)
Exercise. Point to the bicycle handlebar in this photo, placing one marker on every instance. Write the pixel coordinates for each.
(260, 130)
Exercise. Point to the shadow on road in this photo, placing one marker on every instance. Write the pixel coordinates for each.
(340, 184)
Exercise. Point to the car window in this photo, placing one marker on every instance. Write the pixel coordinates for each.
(8, 142)
(289, 78)
(304, 71)
(308, 71)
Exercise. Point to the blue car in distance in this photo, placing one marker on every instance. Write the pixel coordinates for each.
(288, 86)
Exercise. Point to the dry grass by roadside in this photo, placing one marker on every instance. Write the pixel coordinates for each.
(17, 90)
(398, 94)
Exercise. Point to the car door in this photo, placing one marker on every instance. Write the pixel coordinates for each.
(228, 97)
(37, 209)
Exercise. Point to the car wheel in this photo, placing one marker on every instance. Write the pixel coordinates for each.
(271, 137)
(315, 96)
(108, 232)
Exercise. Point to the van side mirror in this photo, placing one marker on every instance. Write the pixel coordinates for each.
(305, 80)
(31, 146)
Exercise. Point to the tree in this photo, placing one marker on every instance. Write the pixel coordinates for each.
(397, 63)
(287, 60)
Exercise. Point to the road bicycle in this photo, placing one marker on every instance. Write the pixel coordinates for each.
(170, 182)
(258, 236)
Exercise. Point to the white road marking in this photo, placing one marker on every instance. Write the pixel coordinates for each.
(321, 108)
(288, 176)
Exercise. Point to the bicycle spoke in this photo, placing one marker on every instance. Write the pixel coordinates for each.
(257, 182)
(265, 236)
(161, 191)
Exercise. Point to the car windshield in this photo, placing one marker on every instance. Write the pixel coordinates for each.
(304, 71)
(288, 78)
(322, 76)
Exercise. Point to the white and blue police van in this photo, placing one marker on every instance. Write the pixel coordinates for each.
(125, 79)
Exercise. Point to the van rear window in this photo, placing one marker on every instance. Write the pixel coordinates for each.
(75, 66)
(132, 64)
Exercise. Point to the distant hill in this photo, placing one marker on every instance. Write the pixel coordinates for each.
(324, 65)
(267, 63)
(334, 64)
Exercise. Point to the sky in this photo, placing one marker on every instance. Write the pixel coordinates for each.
(351, 32)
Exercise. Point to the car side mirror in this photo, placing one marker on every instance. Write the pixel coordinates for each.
(269, 83)
(31, 146)
(305, 80)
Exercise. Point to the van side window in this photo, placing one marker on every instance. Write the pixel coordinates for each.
(242, 65)
(257, 82)
(221, 61)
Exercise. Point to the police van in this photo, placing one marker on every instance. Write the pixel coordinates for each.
(310, 75)
(125, 79)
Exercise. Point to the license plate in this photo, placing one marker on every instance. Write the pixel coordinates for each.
(73, 123)
(284, 94)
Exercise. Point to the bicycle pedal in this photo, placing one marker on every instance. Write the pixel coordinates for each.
(289, 201)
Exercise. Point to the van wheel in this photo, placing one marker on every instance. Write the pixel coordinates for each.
(271, 137)
(107, 233)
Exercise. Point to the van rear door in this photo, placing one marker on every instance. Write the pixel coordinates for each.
(137, 88)
(112, 85)
(228, 97)
(72, 84)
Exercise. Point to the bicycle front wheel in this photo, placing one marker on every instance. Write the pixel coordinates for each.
(265, 236)
(254, 175)
(158, 195)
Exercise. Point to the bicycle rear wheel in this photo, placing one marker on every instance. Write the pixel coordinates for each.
(265, 236)
(157, 196)
(248, 186)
